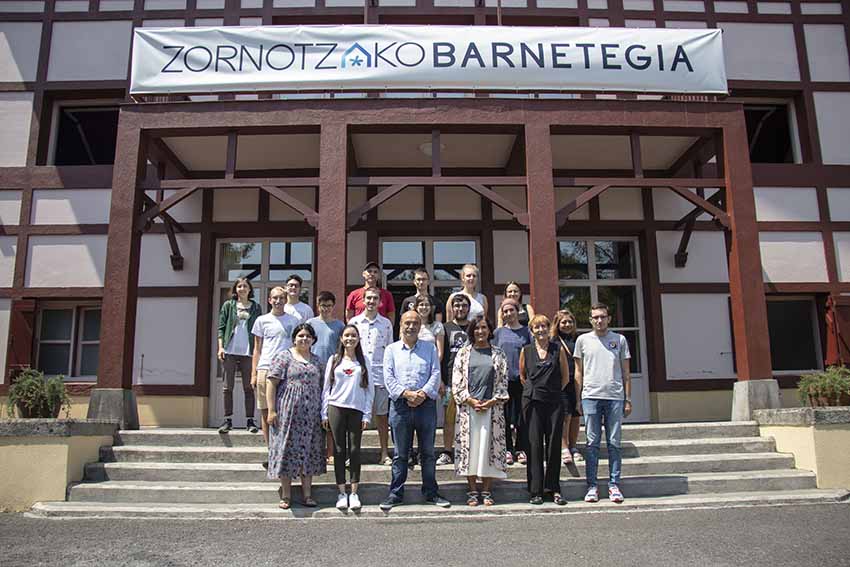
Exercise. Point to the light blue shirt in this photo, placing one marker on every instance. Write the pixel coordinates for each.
(416, 368)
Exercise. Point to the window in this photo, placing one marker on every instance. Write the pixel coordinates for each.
(769, 133)
(85, 135)
(69, 341)
(603, 271)
(794, 338)
(442, 257)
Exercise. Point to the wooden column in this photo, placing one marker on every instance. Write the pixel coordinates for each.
(542, 244)
(333, 189)
(746, 286)
(122, 261)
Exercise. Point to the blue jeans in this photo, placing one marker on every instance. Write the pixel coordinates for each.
(404, 421)
(595, 412)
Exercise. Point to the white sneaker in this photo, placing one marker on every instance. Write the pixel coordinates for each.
(354, 502)
(342, 501)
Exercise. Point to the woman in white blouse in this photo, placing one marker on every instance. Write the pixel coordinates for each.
(347, 396)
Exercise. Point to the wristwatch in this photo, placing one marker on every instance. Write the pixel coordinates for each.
(628, 400)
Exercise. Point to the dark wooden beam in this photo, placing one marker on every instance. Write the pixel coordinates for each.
(700, 152)
(692, 216)
(165, 216)
(383, 195)
(162, 152)
(239, 182)
(680, 259)
(637, 159)
(565, 211)
(632, 182)
(162, 207)
(520, 215)
(311, 216)
(232, 148)
(714, 211)
(436, 158)
(438, 180)
(176, 256)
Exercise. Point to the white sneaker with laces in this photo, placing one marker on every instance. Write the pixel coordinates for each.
(592, 494)
(342, 501)
(354, 502)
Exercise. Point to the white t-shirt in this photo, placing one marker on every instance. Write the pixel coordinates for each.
(429, 333)
(375, 336)
(276, 333)
(602, 370)
(300, 311)
(347, 391)
(241, 340)
(476, 304)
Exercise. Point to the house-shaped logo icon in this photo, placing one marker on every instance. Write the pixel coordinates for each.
(356, 56)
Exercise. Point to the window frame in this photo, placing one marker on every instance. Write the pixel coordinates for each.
(77, 309)
(816, 333)
(793, 124)
(55, 113)
(428, 263)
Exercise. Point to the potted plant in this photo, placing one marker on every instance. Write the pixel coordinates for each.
(830, 387)
(36, 395)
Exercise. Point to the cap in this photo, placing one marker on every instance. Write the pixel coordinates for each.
(370, 264)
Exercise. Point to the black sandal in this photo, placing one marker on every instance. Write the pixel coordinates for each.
(558, 499)
(536, 500)
(472, 498)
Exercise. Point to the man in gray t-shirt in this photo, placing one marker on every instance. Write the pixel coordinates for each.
(604, 384)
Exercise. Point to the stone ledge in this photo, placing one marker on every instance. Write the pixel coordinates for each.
(57, 427)
(803, 416)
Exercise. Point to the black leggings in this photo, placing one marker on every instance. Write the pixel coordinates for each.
(513, 416)
(346, 426)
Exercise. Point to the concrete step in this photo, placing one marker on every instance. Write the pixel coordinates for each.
(241, 438)
(178, 492)
(253, 472)
(271, 511)
(256, 454)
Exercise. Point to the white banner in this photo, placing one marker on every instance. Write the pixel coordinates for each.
(291, 58)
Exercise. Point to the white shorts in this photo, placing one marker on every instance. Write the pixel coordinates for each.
(381, 403)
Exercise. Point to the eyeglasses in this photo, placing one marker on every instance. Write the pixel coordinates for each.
(598, 317)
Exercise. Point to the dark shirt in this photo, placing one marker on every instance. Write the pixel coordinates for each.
(542, 377)
(455, 339)
(571, 345)
(522, 315)
(436, 306)
(512, 341)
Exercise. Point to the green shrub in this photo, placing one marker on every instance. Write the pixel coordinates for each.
(828, 387)
(36, 395)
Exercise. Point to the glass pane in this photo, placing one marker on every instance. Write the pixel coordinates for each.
(792, 335)
(577, 300)
(56, 324)
(89, 356)
(633, 338)
(91, 324)
(287, 258)
(399, 292)
(240, 260)
(398, 274)
(614, 260)
(572, 260)
(443, 293)
(454, 252)
(621, 301)
(411, 253)
(53, 358)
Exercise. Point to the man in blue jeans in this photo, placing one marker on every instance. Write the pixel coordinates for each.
(604, 385)
(412, 379)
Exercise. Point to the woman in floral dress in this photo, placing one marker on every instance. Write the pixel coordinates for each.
(296, 438)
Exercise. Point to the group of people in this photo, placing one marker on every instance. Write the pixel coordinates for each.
(511, 392)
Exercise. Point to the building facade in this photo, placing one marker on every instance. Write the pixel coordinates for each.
(717, 228)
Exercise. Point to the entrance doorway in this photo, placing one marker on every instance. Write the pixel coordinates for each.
(267, 263)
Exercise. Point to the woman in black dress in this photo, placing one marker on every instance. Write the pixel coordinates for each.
(564, 333)
(544, 371)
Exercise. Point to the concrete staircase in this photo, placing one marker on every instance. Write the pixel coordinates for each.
(197, 473)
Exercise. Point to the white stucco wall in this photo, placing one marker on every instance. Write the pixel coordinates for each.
(760, 52)
(510, 245)
(10, 208)
(189, 209)
(160, 357)
(232, 205)
(793, 257)
(409, 204)
(833, 116)
(839, 203)
(826, 48)
(81, 51)
(786, 204)
(621, 203)
(69, 206)
(8, 249)
(15, 116)
(457, 203)
(566, 195)
(355, 257)
(515, 195)
(706, 258)
(667, 205)
(279, 211)
(842, 254)
(66, 261)
(697, 351)
(19, 47)
(155, 264)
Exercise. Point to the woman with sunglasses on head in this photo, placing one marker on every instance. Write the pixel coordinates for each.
(347, 397)
(294, 396)
(564, 333)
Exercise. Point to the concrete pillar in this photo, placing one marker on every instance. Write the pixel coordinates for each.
(333, 193)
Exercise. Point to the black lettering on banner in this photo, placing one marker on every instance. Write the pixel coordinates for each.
(414, 64)
(660, 57)
(333, 47)
(444, 50)
(681, 57)
(586, 48)
(472, 53)
(557, 55)
(272, 50)
(244, 52)
(525, 52)
(179, 49)
(379, 54)
(303, 47)
(606, 56)
(501, 51)
(206, 66)
(219, 58)
(643, 61)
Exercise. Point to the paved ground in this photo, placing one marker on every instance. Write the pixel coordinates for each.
(773, 536)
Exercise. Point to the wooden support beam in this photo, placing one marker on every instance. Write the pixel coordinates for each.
(632, 182)
(680, 258)
(176, 256)
(239, 182)
(637, 159)
(165, 216)
(501, 202)
(436, 159)
(162, 207)
(232, 147)
(714, 211)
(311, 216)
(700, 152)
(164, 154)
(714, 199)
(438, 180)
(383, 195)
(565, 211)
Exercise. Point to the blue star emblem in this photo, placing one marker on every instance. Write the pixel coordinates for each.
(356, 61)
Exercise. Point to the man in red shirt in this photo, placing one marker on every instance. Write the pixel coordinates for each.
(371, 277)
